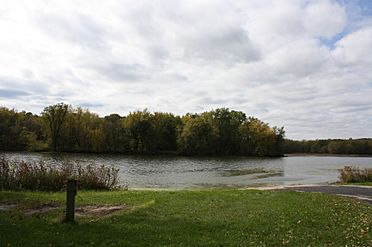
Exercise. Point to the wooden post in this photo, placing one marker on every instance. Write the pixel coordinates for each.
(70, 201)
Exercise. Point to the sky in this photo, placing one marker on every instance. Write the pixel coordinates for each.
(305, 65)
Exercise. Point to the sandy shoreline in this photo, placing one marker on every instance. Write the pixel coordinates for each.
(275, 187)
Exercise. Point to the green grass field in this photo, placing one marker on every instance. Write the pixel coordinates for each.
(190, 218)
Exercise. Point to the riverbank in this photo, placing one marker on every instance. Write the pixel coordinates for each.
(325, 155)
(187, 218)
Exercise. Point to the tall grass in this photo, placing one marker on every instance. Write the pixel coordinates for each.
(37, 175)
(355, 175)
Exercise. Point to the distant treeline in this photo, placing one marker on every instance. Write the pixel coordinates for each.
(61, 127)
(330, 146)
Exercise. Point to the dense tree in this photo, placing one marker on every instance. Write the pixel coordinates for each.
(227, 124)
(83, 131)
(116, 136)
(20, 131)
(279, 141)
(331, 146)
(221, 131)
(198, 135)
(165, 131)
(257, 138)
(55, 117)
(140, 129)
(9, 130)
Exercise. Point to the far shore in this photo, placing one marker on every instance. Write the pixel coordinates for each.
(173, 154)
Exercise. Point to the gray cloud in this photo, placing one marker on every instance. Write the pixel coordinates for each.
(226, 45)
(79, 29)
(10, 94)
(90, 105)
(122, 72)
(24, 84)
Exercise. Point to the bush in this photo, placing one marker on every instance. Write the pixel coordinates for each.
(355, 175)
(22, 175)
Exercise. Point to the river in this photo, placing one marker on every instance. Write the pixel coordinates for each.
(210, 172)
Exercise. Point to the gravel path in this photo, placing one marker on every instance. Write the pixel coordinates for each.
(360, 192)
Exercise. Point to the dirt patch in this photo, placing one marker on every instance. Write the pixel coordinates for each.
(93, 210)
(7, 207)
(99, 210)
(39, 209)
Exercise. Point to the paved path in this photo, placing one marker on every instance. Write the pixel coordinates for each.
(360, 192)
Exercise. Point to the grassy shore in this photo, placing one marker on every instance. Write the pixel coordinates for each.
(189, 218)
(359, 183)
(364, 183)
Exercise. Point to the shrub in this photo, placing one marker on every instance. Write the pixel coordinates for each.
(37, 175)
(355, 175)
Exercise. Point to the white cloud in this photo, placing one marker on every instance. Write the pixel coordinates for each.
(355, 48)
(301, 64)
(324, 18)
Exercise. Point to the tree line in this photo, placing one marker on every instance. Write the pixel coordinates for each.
(63, 128)
(329, 146)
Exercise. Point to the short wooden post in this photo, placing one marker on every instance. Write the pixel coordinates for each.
(70, 201)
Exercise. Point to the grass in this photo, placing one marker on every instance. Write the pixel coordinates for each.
(191, 218)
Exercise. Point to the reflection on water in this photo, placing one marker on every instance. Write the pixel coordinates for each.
(196, 172)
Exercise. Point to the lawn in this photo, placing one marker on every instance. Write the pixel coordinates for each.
(190, 218)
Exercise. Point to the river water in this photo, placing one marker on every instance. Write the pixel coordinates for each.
(210, 172)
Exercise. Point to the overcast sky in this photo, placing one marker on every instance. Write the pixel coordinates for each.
(304, 65)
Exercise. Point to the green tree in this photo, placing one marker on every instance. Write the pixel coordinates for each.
(83, 131)
(219, 131)
(20, 131)
(116, 138)
(10, 130)
(227, 124)
(198, 135)
(140, 129)
(165, 131)
(55, 116)
(258, 138)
